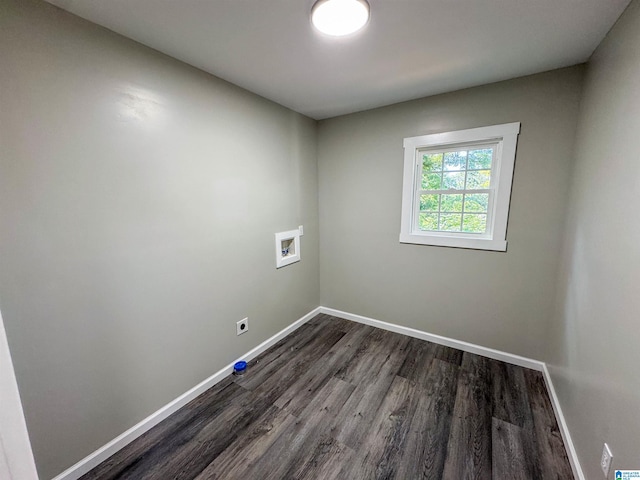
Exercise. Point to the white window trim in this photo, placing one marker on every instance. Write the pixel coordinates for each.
(506, 138)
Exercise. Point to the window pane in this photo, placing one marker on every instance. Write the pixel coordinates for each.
(455, 160)
(453, 180)
(476, 202)
(480, 159)
(432, 162)
(428, 221)
(431, 181)
(473, 223)
(450, 222)
(429, 203)
(451, 203)
(479, 179)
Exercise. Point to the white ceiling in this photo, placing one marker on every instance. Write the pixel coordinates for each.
(410, 48)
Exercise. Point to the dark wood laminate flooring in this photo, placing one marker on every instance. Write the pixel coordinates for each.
(341, 400)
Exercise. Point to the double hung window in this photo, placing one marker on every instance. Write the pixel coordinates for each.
(457, 187)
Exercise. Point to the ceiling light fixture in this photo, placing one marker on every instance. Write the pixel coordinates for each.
(340, 17)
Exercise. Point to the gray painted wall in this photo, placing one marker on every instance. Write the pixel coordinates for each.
(595, 361)
(499, 300)
(139, 198)
(129, 182)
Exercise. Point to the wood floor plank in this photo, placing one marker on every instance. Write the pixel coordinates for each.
(508, 452)
(236, 460)
(380, 452)
(352, 423)
(551, 454)
(326, 461)
(191, 447)
(192, 452)
(302, 391)
(268, 362)
(297, 445)
(273, 386)
(328, 401)
(286, 356)
(426, 447)
(374, 351)
(415, 368)
(469, 446)
(476, 364)
(511, 404)
(357, 403)
(448, 354)
(141, 454)
(510, 401)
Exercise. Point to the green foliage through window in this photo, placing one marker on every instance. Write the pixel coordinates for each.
(455, 160)
(480, 159)
(432, 162)
(463, 171)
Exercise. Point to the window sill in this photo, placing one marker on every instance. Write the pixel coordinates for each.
(455, 242)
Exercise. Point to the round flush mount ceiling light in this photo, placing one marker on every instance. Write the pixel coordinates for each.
(340, 17)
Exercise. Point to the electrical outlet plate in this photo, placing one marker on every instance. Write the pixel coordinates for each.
(605, 462)
(242, 326)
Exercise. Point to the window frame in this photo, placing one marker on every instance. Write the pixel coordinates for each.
(418, 190)
(505, 138)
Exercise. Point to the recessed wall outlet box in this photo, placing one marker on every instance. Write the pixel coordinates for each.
(287, 248)
(301, 229)
(242, 326)
(605, 462)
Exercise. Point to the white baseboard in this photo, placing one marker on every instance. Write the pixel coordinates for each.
(564, 429)
(440, 340)
(94, 459)
(486, 352)
(97, 457)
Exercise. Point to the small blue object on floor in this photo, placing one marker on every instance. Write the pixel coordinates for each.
(240, 368)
